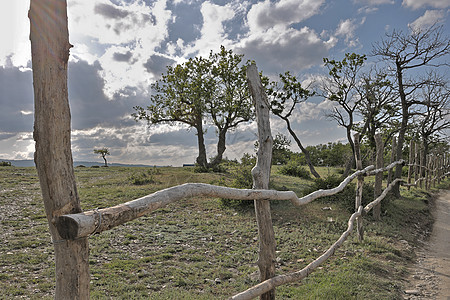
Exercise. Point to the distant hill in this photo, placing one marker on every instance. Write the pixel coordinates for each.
(30, 163)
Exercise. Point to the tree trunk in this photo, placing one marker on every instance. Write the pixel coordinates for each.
(221, 146)
(201, 159)
(106, 163)
(348, 166)
(379, 176)
(306, 152)
(261, 176)
(53, 157)
(403, 128)
(359, 188)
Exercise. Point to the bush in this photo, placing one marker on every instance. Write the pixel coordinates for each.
(242, 179)
(5, 164)
(293, 169)
(345, 198)
(141, 179)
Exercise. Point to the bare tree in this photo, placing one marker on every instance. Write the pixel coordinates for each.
(340, 87)
(434, 118)
(53, 157)
(376, 106)
(285, 95)
(404, 52)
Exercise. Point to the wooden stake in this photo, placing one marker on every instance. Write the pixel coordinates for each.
(379, 176)
(261, 176)
(359, 186)
(53, 157)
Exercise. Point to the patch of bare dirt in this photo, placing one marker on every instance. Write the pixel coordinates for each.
(430, 276)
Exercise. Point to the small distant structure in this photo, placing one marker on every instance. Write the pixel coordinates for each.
(188, 165)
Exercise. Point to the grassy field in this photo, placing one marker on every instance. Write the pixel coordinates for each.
(199, 249)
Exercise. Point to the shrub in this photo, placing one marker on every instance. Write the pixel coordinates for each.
(345, 198)
(141, 179)
(242, 179)
(293, 169)
(5, 164)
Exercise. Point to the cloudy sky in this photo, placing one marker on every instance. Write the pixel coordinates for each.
(122, 46)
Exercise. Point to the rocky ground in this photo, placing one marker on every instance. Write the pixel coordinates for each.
(430, 276)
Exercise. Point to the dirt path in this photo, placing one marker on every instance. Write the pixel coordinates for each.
(431, 275)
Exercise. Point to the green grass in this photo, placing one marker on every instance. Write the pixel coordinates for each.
(199, 249)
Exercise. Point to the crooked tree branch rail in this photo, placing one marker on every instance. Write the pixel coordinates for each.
(74, 226)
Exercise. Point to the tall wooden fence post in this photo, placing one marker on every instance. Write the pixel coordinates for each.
(53, 157)
(410, 163)
(378, 176)
(428, 172)
(422, 168)
(359, 187)
(416, 163)
(261, 176)
(393, 158)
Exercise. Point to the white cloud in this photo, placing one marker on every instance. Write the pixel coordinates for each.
(415, 4)
(280, 49)
(429, 18)
(212, 30)
(15, 45)
(121, 37)
(265, 15)
(346, 29)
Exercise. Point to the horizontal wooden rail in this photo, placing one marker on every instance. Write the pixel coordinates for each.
(73, 226)
(387, 168)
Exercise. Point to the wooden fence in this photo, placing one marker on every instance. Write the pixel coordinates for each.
(428, 171)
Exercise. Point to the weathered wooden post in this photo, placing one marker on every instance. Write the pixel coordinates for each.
(427, 172)
(411, 162)
(422, 168)
(261, 176)
(393, 158)
(416, 163)
(53, 157)
(359, 186)
(434, 170)
(379, 176)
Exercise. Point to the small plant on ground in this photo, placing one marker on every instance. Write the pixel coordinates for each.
(294, 169)
(141, 179)
(242, 179)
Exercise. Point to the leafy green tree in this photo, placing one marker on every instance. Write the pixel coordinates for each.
(285, 95)
(181, 95)
(103, 152)
(231, 103)
(201, 91)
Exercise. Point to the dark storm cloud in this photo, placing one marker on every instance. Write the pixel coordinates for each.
(16, 100)
(157, 64)
(109, 11)
(125, 57)
(89, 105)
(296, 50)
(187, 23)
(180, 138)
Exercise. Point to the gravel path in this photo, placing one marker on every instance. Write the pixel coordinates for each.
(431, 275)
